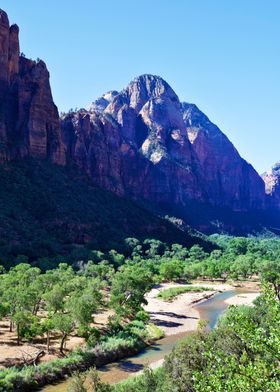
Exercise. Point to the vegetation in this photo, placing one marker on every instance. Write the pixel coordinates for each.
(241, 354)
(42, 303)
(173, 292)
(48, 212)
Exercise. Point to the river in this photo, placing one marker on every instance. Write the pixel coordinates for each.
(209, 310)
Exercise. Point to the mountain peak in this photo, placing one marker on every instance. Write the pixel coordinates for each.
(100, 104)
(4, 20)
(272, 178)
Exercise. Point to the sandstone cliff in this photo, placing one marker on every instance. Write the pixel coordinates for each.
(272, 186)
(229, 179)
(143, 143)
(29, 120)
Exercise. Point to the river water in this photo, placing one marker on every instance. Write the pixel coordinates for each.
(209, 310)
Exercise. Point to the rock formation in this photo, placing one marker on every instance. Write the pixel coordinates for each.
(272, 186)
(143, 143)
(29, 120)
(229, 179)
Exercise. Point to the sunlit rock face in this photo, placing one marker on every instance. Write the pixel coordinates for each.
(272, 185)
(29, 120)
(144, 143)
(229, 179)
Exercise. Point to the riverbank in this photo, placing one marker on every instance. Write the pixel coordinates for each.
(179, 315)
(210, 308)
(176, 318)
(242, 299)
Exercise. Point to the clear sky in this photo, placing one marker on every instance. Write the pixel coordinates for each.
(223, 55)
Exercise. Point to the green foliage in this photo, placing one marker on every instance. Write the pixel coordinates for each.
(241, 354)
(171, 270)
(128, 291)
(77, 383)
(95, 383)
(173, 292)
(244, 348)
(48, 211)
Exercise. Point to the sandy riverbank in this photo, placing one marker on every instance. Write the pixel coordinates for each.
(242, 299)
(179, 315)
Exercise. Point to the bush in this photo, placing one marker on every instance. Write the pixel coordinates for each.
(173, 292)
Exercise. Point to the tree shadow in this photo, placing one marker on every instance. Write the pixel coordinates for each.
(166, 323)
(175, 315)
(130, 366)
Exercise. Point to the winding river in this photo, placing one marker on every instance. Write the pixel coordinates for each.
(209, 310)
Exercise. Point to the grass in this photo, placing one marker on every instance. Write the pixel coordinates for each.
(173, 292)
(144, 382)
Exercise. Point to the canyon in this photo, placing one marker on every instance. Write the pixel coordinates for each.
(141, 143)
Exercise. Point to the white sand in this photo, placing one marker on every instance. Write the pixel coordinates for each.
(242, 299)
(179, 315)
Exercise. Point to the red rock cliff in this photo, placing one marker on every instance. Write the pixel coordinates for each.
(29, 120)
(145, 144)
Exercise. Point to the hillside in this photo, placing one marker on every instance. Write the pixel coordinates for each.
(48, 210)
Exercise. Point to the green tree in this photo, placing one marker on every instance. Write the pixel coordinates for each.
(129, 287)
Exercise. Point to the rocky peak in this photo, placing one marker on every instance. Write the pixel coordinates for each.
(29, 121)
(161, 150)
(148, 87)
(100, 104)
(9, 50)
(272, 185)
(148, 112)
(143, 89)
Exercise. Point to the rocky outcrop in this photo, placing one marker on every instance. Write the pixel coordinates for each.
(137, 146)
(272, 186)
(143, 143)
(29, 120)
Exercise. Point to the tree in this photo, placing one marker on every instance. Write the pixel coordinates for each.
(171, 270)
(270, 272)
(47, 327)
(128, 290)
(65, 324)
(196, 253)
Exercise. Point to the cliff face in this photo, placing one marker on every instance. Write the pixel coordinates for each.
(136, 145)
(143, 143)
(229, 179)
(29, 120)
(272, 186)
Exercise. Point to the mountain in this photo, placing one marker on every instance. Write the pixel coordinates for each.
(143, 143)
(140, 144)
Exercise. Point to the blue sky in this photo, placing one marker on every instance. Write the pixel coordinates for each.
(223, 55)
